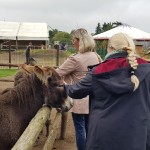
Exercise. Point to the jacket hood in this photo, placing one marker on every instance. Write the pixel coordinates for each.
(114, 74)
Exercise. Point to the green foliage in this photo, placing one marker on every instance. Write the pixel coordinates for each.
(101, 44)
(101, 48)
(52, 34)
(7, 72)
(70, 52)
(72, 31)
(116, 24)
(102, 52)
(98, 29)
(63, 37)
(106, 26)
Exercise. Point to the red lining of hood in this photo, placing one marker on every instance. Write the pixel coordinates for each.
(115, 63)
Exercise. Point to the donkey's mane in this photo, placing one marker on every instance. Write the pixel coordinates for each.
(24, 90)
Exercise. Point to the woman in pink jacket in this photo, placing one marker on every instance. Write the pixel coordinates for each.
(74, 69)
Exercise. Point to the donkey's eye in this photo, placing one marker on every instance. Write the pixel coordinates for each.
(49, 74)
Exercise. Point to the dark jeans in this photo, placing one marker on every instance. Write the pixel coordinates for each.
(81, 124)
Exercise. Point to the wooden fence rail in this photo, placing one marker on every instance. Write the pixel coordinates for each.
(30, 135)
(9, 65)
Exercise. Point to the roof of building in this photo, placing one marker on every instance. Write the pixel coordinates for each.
(135, 33)
(23, 31)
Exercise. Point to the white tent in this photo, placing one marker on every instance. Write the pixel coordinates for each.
(8, 30)
(135, 33)
(23, 31)
(33, 31)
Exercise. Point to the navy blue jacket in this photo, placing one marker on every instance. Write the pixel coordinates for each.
(119, 118)
(28, 51)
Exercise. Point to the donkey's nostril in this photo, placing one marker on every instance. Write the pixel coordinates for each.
(66, 109)
(49, 79)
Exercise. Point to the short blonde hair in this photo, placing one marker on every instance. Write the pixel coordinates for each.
(124, 42)
(86, 41)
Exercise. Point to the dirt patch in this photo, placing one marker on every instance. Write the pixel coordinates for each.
(67, 144)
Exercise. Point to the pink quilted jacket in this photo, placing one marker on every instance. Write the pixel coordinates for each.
(74, 69)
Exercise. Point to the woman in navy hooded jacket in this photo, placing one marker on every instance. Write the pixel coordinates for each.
(120, 99)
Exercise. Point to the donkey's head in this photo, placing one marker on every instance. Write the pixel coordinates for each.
(54, 93)
(47, 75)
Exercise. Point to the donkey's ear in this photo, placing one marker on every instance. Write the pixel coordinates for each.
(38, 70)
(49, 72)
(27, 68)
(43, 71)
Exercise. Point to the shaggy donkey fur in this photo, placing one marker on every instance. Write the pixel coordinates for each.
(18, 105)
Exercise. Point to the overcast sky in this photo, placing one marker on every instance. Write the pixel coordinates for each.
(66, 15)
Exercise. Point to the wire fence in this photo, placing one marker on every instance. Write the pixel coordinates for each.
(40, 57)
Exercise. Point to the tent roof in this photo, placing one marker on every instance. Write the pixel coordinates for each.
(8, 30)
(23, 31)
(135, 33)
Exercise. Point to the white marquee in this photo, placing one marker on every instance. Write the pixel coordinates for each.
(135, 33)
(23, 31)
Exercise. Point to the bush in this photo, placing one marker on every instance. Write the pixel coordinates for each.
(102, 52)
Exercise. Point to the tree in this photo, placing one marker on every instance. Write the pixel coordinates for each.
(63, 37)
(98, 29)
(52, 34)
(116, 24)
(106, 26)
(72, 31)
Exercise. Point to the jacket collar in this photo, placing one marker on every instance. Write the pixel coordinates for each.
(117, 55)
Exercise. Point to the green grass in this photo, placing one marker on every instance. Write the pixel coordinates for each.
(7, 72)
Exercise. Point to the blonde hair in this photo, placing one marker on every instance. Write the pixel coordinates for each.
(122, 41)
(86, 41)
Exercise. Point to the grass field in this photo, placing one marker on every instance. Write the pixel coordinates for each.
(7, 72)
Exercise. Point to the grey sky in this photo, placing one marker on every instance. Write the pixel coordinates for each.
(66, 15)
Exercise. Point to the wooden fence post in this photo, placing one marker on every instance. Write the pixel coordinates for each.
(63, 125)
(53, 133)
(9, 54)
